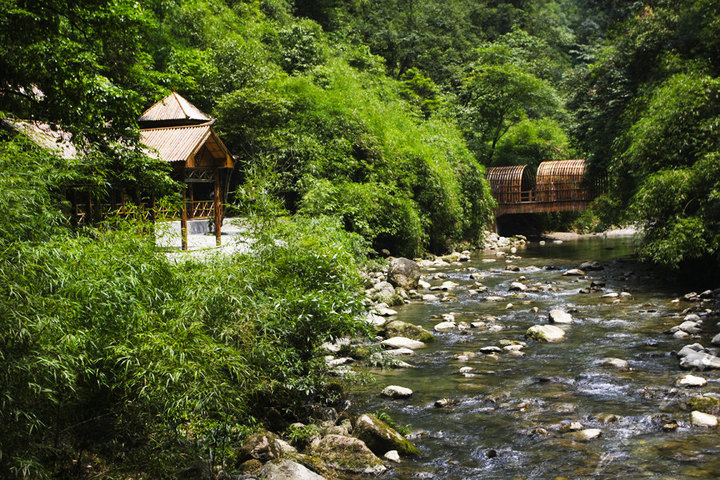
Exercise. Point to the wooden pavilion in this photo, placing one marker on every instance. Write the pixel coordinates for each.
(176, 131)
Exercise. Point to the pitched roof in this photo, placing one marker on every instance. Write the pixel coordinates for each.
(175, 144)
(173, 109)
(178, 144)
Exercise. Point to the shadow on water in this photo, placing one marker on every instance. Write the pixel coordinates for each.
(508, 416)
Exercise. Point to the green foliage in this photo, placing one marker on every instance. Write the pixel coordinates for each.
(532, 142)
(499, 93)
(111, 350)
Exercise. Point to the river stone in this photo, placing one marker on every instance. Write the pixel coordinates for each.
(700, 419)
(430, 298)
(375, 320)
(592, 265)
(395, 391)
(465, 369)
(380, 437)
(518, 287)
(402, 342)
(399, 352)
(574, 272)
(348, 454)
(423, 284)
(392, 456)
(287, 470)
(260, 446)
(618, 363)
(716, 339)
(610, 295)
(545, 333)
(493, 298)
(690, 381)
(445, 326)
(403, 273)
(491, 349)
(398, 328)
(585, 435)
(689, 327)
(559, 316)
(693, 357)
(680, 334)
(384, 311)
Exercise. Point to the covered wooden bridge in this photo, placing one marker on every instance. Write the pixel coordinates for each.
(558, 186)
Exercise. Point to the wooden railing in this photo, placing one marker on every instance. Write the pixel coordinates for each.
(563, 194)
(83, 212)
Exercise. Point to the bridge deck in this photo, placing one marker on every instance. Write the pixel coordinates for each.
(540, 201)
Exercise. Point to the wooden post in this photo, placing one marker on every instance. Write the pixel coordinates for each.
(183, 222)
(218, 206)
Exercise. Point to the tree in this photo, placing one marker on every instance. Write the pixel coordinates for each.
(498, 94)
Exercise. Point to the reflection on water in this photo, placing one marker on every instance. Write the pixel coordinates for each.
(508, 416)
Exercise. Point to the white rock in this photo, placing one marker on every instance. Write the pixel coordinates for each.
(716, 339)
(445, 326)
(396, 391)
(690, 381)
(399, 352)
(585, 435)
(402, 342)
(423, 284)
(429, 298)
(518, 287)
(546, 333)
(559, 316)
(700, 419)
(493, 298)
(392, 456)
(615, 363)
(375, 320)
(573, 272)
(680, 334)
(689, 327)
(465, 369)
(385, 311)
(610, 295)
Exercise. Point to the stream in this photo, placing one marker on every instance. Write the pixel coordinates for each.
(512, 416)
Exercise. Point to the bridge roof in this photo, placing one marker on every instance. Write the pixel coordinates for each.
(513, 176)
(561, 170)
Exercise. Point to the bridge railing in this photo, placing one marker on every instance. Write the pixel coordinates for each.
(555, 194)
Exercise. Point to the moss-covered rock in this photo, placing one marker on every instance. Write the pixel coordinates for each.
(705, 403)
(348, 454)
(381, 437)
(398, 328)
(262, 446)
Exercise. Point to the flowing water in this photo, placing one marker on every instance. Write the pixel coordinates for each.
(506, 419)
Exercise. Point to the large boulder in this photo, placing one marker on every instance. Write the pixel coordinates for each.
(695, 356)
(348, 454)
(559, 316)
(287, 470)
(402, 342)
(398, 328)
(262, 446)
(380, 437)
(404, 273)
(396, 391)
(545, 333)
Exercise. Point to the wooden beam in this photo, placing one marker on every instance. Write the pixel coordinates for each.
(183, 222)
(218, 212)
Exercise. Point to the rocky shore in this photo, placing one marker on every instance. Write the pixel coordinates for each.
(341, 445)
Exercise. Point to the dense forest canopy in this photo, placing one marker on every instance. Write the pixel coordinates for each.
(380, 117)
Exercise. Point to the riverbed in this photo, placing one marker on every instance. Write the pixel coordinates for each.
(516, 416)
